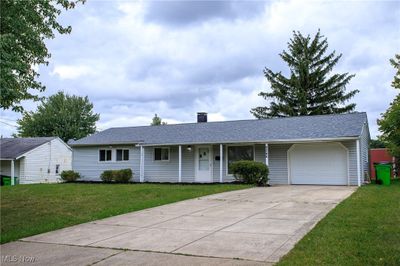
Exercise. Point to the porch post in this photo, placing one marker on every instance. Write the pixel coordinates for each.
(141, 176)
(221, 162)
(12, 173)
(358, 163)
(180, 164)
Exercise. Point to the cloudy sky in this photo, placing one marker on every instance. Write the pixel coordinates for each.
(135, 58)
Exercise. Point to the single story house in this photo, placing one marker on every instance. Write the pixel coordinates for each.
(34, 160)
(321, 149)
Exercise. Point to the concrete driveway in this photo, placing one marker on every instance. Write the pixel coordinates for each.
(246, 227)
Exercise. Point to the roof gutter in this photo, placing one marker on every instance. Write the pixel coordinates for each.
(276, 141)
(104, 144)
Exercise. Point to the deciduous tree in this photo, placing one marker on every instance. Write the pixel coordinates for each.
(24, 27)
(389, 124)
(62, 115)
(157, 121)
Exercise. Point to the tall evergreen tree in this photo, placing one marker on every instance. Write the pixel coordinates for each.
(311, 88)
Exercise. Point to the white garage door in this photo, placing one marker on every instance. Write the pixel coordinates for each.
(321, 164)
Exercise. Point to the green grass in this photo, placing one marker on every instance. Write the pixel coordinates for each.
(32, 209)
(362, 230)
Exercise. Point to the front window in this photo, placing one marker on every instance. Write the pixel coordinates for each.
(57, 168)
(105, 155)
(239, 153)
(122, 155)
(161, 154)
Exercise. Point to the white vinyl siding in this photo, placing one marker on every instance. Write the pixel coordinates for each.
(159, 170)
(86, 162)
(187, 165)
(216, 165)
(351, 146)
(278, 172)
(39, 164)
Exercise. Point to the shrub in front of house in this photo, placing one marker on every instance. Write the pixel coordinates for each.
(118, 176)
(250, 172)
(70, 176)
(107, 176)
(123, 175)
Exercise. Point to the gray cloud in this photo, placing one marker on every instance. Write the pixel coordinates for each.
(133, 60)
(183, 13)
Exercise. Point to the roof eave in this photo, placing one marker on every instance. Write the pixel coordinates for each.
(276, 141)
(103, 144)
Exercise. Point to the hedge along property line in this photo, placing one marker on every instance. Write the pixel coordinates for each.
(118, 176)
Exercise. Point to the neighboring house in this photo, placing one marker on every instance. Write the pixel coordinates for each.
(380, 155)
(323, 149)
(34, 160)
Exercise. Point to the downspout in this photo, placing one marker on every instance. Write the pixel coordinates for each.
(49, 166)
(12, 173)
(358, 162)
(141, 167)
(221, 161)
(180, 164)
(267, 158)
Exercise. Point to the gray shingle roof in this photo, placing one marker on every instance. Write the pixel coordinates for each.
(11, 148)
(277, 129)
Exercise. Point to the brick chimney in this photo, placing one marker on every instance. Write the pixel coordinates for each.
(201, 117)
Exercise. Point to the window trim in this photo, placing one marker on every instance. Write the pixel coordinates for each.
(123, 149)
(105, 161)
(237, 145)
(154, 154)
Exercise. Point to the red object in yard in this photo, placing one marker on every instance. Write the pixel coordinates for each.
(379, 156)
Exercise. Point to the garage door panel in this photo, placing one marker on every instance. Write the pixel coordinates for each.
(324, 163)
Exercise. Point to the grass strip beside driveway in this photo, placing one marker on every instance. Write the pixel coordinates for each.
(33, 209)
(362, 230)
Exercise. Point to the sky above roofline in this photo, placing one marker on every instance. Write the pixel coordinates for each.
(137, 58)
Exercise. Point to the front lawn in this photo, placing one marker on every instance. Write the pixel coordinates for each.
(32, 209)
(362, 230)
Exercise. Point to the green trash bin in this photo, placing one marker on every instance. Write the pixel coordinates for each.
(6, 181)
(383, 172)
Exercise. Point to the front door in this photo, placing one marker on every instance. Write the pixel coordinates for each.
(203, 164)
